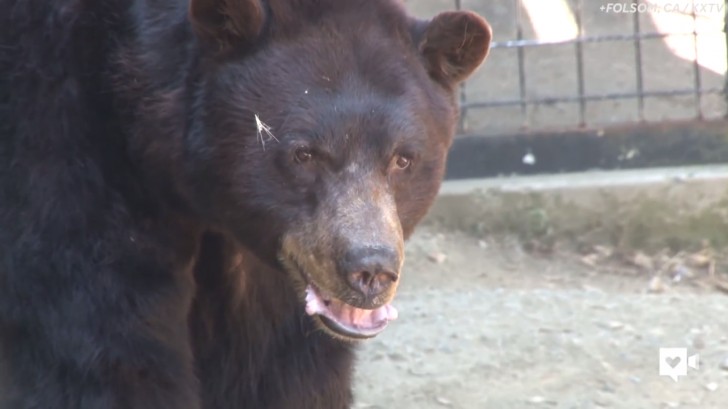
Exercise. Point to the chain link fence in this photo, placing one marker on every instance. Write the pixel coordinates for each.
(570, 64)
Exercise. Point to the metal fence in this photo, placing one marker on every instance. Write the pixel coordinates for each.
(474, 106)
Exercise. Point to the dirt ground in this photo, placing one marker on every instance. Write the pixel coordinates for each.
(491, 326)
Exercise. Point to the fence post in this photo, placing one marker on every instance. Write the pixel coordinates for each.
(725, 32)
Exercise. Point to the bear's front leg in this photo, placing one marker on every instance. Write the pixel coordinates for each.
(97, 320)
(255, 346)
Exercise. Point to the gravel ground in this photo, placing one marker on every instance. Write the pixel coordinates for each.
(485, 325)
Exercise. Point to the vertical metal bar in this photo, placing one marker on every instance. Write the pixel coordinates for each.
(521, 64)
(696, 65)
(580, 62)
(725, 32)
(638, 64)
(462, 124)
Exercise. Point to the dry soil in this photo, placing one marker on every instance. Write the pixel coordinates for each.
(491, 326)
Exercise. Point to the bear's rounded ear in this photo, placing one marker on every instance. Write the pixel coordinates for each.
(453, 45)
(223, 23)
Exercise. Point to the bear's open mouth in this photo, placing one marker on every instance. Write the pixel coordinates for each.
(346, 320)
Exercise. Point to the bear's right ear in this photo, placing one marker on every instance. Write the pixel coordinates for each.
(222, 23)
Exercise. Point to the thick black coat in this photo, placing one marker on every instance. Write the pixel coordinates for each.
(142, 222)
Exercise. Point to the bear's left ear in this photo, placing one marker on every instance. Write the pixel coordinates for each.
(224, 23)
(454, 44)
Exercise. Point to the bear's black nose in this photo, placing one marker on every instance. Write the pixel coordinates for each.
(371, 270)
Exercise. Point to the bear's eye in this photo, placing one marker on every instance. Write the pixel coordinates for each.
(402, 162)
(303, 155)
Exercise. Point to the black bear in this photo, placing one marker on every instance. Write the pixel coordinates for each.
(203, 202)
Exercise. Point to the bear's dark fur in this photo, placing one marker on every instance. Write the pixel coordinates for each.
(181, 182)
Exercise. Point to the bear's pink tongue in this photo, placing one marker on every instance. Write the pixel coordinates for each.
(357, 319)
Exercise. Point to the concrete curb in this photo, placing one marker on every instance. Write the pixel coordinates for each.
(645, 208)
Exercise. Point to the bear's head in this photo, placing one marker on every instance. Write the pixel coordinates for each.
(320, 132)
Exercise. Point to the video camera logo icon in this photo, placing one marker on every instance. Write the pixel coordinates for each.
(674, 362)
